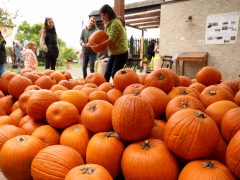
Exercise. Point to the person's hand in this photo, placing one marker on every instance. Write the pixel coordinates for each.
(85, 45)
(45, 49)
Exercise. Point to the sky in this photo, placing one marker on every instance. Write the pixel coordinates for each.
(68, 16)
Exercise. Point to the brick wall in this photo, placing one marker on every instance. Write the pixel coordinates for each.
(179, 36)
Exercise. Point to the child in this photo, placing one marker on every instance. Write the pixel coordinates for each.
(30, 58)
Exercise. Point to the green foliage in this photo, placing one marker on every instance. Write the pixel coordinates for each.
(6, 18)
(67, 54)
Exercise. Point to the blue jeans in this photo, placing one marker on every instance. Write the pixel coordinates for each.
(86, 59)
(2, 69)
(115, 63)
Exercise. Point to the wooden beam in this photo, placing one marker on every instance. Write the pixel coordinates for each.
(135, 27)
(119, 8)
(149, 27)
(143, 20)
(143, 15)
(146, 23)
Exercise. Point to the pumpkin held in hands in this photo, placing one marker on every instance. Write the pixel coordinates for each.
(96, 41)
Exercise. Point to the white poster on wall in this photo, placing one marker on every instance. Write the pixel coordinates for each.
(222, 28)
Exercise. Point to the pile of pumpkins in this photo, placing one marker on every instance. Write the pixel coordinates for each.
(139, 126)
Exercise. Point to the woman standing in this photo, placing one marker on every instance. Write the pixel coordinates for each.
(117, 40)
(2, 54)
(48, 44)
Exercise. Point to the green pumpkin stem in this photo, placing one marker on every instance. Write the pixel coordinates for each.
(208, 164)
(146, 145)
(87, 170)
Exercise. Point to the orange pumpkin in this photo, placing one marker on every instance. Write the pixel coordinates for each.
(158, 130)
(125, 77)
(58, 76)
(96, 41)
(149, 159)
(47, 134)
(188, 131)
(233, 156)
(56, 87)
(132, 117)
(96, 78)
(97, 116)
(67, 84)
(181, 90)
(230, 123)
(45, 82)
(217, 110)
(17, 154)
(7, 132)
(38, 103)
(16, 116)
(198, 86)
(4, 81)
(113, 95)
(183, 102)
(207, 170)
(54, 162)
(133, 88)
(31, 76)
(32, 87)
(209, 75)
(88, 171)
(77, 98)
(76, 137)
(23, 99)
(237, 98)
(98, 95)
(17, 85)
(6, 104)
(185, 81)
(106, 149)
(62, 114)
(106, 86)
(157, 98)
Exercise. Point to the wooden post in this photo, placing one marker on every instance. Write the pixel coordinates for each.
(119, 8)
(141, 48)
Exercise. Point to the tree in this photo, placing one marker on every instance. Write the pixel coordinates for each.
(6, 18)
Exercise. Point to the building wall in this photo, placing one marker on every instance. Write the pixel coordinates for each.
(179, 36)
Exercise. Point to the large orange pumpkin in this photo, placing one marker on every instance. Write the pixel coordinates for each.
(96, 78)
(16, 156)
(77, 137)
(62, 114)
(97, 38)
(132, 117)
(233, 155)
(23, 99)
(6, 104)
(206, 170)
(97, 116)
(149, 159)
(88, 171)
(106, 149)
(191, 134)
(54, 162)
(45, 82)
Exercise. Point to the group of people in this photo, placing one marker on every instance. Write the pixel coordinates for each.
(117, 45)
(117, 42)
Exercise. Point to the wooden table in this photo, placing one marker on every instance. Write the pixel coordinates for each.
(190, 57)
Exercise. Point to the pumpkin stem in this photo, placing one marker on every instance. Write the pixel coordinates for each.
(155, 124)
(184, 92)
(76, 129)
(160, 76)
(200, 114)
(87, 170)
(123, 72)
(92, 108)
(21, 140)
(111, 134)
(208, 164)
(136, 93)
(212, 92)
(184, 104)
(146, 145)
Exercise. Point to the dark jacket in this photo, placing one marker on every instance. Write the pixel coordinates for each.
(3, 56)
(150, 51)
(86, 33)
(51, 42)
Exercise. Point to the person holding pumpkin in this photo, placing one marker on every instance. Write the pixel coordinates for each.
(48, 43)
(117, 41)
(88, 54)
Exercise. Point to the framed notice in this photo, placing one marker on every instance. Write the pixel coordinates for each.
(222, 28)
